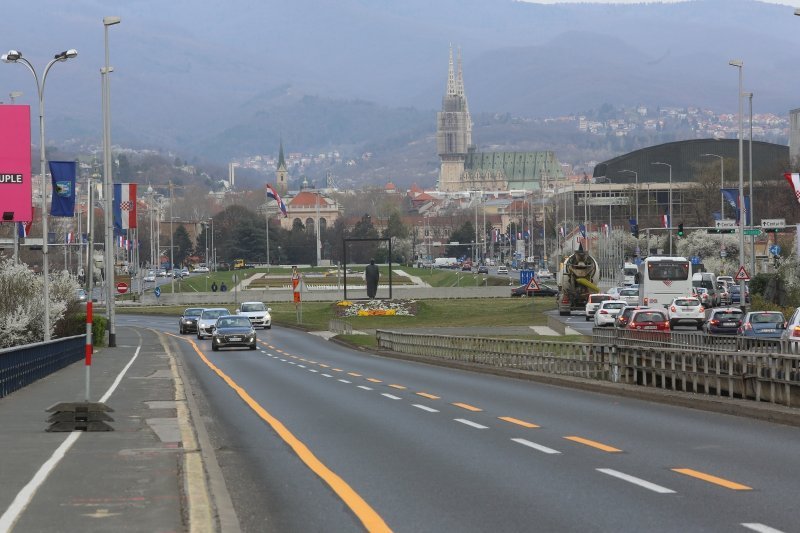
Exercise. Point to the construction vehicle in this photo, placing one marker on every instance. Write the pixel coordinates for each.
(577, 279)
(238, 264)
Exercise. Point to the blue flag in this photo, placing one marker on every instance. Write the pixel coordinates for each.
(732, 197)
(63, 177)
(583, 230)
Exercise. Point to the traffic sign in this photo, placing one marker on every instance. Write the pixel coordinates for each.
(775, 249)
(122, 287)
(725, 224)
(752, 231)
(742, 275)
(773, 223)
(157, 291)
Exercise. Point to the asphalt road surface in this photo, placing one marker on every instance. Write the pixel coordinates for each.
(312, 436)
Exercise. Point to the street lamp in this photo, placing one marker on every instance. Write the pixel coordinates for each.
(739, 64)
(15, 56)
(750, 173)
(108, 182)
(669, 211)
(636, 177)
(13, 95)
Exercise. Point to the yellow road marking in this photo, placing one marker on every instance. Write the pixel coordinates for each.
(467, 407)
(594, 444)
(518, 422)
(398, 387)
(426, 395)
(712, 479)
(354, 374)
(374, 380)
(323, 365)
(369, 517)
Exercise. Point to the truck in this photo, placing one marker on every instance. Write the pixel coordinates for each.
(445, 262)
(238, 264)
(629, 274)
(577, 279)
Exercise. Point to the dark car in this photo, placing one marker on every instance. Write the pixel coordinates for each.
(187, 323)
(736, 293)
(723, 320)
(534, 290)
(233, 330)
(483, 269)
(763, 325)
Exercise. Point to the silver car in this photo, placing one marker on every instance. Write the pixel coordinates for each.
(208, 320)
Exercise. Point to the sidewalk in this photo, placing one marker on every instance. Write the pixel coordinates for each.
(146, 475)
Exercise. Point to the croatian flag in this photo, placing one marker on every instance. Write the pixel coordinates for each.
(24, 229)
(272, 193)
(124, 205)
(70, 237)
(794, 181)
(665, 221)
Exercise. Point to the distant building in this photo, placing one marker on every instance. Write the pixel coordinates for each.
(463, 168)
(281, 173)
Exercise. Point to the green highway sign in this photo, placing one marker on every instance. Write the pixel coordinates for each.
(754, 231)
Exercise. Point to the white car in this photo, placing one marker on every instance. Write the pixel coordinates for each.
(208, 321)
(258, 313)
(502, 270)
(594, 302)
(150, 277)
(202, 269)
(607, 313)
(630, 295)
(686, 310)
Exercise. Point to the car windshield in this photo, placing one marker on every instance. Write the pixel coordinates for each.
(728, 315)
(629, 292)
(247, 308)
(766, 318)
(193, 312)
(649, 316)
(214, 313)
(686, 302)
(233, 322)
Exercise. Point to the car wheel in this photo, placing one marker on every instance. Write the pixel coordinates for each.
(252, 346)
(214, 347)
(199, 336)
(587, 318)
(672, 324)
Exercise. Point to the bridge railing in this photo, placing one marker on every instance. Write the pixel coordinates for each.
(22, 365)
(649, 359)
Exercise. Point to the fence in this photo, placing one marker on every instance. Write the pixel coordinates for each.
(649, 359)
(22, 365)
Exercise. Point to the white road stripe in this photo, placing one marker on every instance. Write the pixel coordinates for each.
(313, 370)
(344, 381)
(761, 528)
(425, 408)
(470, 423)
(636, 481)
(364, 387)
(391, 397)
(326, 375)
(301, 366)
(535, 446)
(282, 360)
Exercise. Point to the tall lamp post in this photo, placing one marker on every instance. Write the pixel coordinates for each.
(751, 215)
(669, 217)
(108, 183)
(739, 64)
(15, 56)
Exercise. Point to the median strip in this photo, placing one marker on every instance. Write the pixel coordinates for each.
(517, 422)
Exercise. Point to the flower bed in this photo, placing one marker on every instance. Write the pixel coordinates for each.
(347, 308)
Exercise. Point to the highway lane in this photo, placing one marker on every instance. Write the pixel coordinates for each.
(429, 448)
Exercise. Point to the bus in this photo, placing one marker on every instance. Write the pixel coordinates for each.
(629, 271)
(661, 279)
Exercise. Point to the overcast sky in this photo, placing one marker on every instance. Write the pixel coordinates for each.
(793, 3)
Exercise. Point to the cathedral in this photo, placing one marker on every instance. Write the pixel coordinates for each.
(463, 168)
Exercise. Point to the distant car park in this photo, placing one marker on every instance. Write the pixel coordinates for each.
(533, 290)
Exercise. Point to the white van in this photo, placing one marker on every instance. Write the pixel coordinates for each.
(708, 281)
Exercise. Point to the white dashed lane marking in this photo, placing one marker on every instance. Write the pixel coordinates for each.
(636, 481)
(391, 397)
(529, 444)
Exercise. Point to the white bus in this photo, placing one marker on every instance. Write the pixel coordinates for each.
(661, 279)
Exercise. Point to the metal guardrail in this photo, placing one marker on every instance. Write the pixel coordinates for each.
(741, 368)
(339, 326)
(22, 365)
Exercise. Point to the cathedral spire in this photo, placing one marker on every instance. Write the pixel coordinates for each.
(451, 78)
(460, 76)
(281, 160)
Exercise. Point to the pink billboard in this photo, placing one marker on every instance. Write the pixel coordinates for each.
(15, 163)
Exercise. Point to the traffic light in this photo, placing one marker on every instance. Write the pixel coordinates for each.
(680, 230)
(635, 230)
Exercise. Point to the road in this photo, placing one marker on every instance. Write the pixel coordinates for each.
(312, 436)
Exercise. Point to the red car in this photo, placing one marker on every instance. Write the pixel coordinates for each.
(648, 320)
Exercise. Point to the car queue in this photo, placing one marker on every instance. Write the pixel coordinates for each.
(226, 329)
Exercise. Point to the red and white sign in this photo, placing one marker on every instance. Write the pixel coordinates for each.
(742, 275)
(122, 287)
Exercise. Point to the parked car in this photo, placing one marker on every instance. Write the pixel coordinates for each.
(233, 330)
(630, 295)
(724, 292)
(701, 293)
(763, 325)
(792, 329)
(201, 269)
(723, 320)
(607, 313)
(614, 291)
(483, 269)
(624, 316)
(736, 292)
(257, 312)
(502, 270)
(208, 320)
(594, 302)
(534, 290)
(187, 323)
(686, 310)
(648, 320)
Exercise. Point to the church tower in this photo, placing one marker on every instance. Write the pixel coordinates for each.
(453, 130)
(281, 174)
